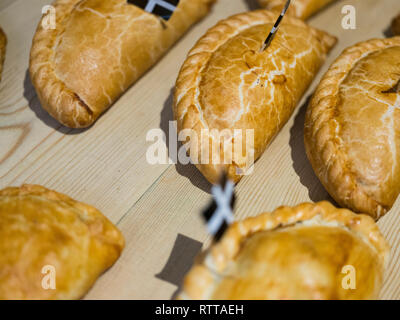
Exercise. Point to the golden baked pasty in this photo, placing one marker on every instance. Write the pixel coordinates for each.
(98, 49)
(3, 43)
(396, 26)
(228, 84)
(352, 127)
(44, 233)
(311, 251)
(299, 8)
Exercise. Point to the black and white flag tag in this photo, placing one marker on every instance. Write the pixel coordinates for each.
(275, 28)
(161, 8)
(219, 214)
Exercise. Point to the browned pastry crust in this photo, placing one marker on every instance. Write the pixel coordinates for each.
(292, 253)
(227, 84)
(98, 49)
(352, 127)
(3, 43)
(40, 227)
(396, 26)
(299, 8)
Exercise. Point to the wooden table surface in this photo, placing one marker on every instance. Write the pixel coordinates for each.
(157, 206)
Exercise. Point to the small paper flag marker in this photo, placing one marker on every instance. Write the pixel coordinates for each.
(219, 214)
(275, 27)
(160, 8)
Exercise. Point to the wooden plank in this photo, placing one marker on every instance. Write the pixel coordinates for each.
(105, 165)
(5, 3)
(283, 175)
(157, 206)
(20, 128)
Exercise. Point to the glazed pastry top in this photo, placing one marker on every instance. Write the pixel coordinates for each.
(108, 33)
(352, 127)
(298, 263)
(363, 98)
(39, 228)
(239, 81)
(98, 49)
(227, 83)
(292, 253)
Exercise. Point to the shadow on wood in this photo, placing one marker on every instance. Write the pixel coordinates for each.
(301, 165)
(189, 171)
(388, 32)
(180, 261)
(34, 104)
(252, 4)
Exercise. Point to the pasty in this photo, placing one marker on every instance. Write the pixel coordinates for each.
(97, 50)
(311, 251)
(299, 8)
(228, 89)
(3, 43)
(352, 127)
(51, 246)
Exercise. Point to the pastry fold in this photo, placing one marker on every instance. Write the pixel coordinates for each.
(51, 246)
(3, 44)
(311, 251)
(97, 50)
(299, 8)
(228, 90)
(352, 127)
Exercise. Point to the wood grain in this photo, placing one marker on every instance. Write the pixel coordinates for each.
(157, 206)
(5, 3)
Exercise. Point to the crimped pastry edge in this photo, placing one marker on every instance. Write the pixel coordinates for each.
(199, 283)
(70, 109)
(198, 57)
(321, 141)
